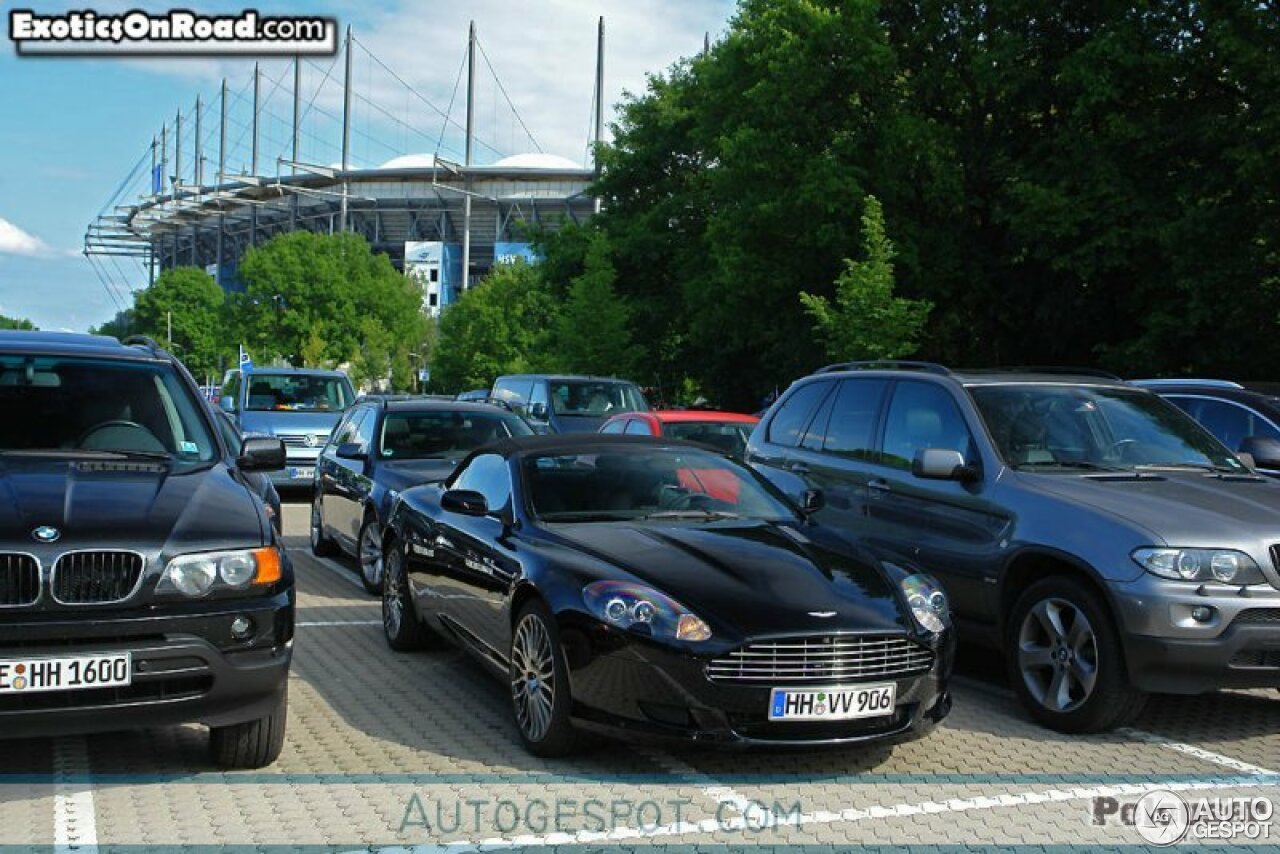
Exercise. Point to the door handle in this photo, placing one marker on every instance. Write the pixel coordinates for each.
(878, 485)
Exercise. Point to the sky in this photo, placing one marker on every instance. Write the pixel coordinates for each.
(71, 129)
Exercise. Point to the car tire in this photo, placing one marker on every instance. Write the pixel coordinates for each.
(403, 629)
(1066, 659)
(321, 546)
(253, 744)
(371, 570)
(541, 717)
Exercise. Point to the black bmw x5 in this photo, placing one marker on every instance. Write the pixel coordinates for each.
(141, 580)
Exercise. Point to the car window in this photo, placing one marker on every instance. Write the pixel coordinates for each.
(349, 431)
(594, 397)
(795, 412)
(365, 430)
(1232, 423)
(853, 418)
(727, 436)
(922, 415)
(615, 426)
(513, 390)
(486, 474)
(296, 393)
(101, 405)
(230, 391)
(445, 434)
(637, 427)
(538, 394)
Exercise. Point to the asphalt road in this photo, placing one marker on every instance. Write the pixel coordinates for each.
(390, 750)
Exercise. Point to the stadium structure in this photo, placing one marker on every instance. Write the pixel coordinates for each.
(444, 216)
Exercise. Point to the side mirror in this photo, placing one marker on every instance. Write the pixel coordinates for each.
(351, 451)
(227, 402)
(942, 464)
(464, 501)
(1264, 450)
(261, 453)
(812, 501)
(538, 411)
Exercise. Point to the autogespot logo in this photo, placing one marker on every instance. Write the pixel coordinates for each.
(1161, 817)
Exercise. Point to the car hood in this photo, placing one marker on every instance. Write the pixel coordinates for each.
(406, 473)
(285, 421)
(1185, 509)
(144, 506)
(755, 578)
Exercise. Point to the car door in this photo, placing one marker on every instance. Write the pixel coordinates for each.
(478, 556)
(838, 449)
(775, 449)
(329, 468)
(358, 474)
(948, 527)
(341, 487)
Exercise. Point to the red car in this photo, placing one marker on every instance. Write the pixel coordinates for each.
(727, 431)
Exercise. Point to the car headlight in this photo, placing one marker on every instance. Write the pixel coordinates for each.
(1226, 565)
(195, 575)
(642, 609)
(927, 601)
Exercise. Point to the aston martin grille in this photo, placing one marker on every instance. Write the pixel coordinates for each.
(19, 579)
(97, 577)
(830, 658)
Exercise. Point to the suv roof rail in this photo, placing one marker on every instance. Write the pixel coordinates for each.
(1065, 370)
(1188, 381)
(887, 365)
(143, 341)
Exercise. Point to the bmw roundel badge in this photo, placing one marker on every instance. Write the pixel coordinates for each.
(46, 533)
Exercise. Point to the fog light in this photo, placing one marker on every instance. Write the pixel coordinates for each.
(241, 628)
(1202, 613)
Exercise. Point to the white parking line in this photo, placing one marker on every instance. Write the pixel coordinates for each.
(760, 818)
(74, 823)
(1197, 752)
(321, 623)
(710, 786)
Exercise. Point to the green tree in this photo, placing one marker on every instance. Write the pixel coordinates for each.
(498, 326)
(15, 323)
(328, 300)
(190, 301)
(121, 326)
(592, 333)
(867, 321)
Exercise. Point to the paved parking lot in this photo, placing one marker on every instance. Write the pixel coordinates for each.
(394, 751)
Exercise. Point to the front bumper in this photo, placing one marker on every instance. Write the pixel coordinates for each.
(1168, 650)
(299, 470)
(186, 667)
(625, 684)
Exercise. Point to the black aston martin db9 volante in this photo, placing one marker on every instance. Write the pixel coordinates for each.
(646, 586)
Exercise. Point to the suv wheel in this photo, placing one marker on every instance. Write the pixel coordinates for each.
(1065, 659)
(254, 744)
(321, 546)
(370, 554)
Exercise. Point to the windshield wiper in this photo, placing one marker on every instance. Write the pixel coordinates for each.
(585, 516)
(692, 514)
(1186, 467)
(93, 453)
(1083, 465)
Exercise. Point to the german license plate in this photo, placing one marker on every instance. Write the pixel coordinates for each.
(832, 704)
(64, 673)
(301, 473)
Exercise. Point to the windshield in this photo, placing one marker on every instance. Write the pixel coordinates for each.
(95, 406)
(646, 482)
(1103, 428)
(297, 393)
(443, 435)
(598, 399)
(730, 437)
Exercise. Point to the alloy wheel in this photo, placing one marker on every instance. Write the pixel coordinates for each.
(371, 560)
(1058, 655)
(533, 677)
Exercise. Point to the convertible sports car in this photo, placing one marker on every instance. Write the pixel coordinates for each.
(613, 593)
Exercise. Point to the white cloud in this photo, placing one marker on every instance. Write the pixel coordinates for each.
(15, 241)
